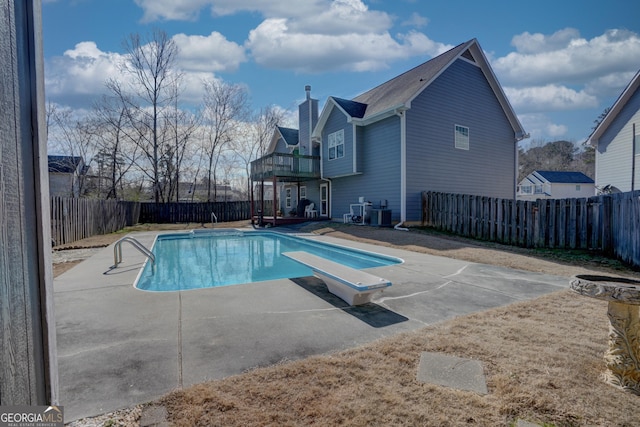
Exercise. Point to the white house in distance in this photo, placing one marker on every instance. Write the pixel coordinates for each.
(64, 175)
(617, 144)
(555, 185)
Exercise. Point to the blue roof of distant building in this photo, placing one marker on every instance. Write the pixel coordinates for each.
(565, 177)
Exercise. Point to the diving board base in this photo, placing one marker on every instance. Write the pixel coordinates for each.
(355, 287)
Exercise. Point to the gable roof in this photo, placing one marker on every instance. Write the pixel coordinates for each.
(64, 164)
(563, 177)
(622, 100)
(290, 137)
(396, 94)
(351, 108)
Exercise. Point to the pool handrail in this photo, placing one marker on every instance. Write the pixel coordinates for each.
(117, 250)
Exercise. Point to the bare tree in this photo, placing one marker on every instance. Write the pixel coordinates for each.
(254, 142)
(181, 126)
(225, 106)
(150, 61)
(72, 137)
(116, 143)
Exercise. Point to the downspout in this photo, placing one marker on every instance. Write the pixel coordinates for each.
(328, 180)
(403, 170)
(633, 158)
(354, 167)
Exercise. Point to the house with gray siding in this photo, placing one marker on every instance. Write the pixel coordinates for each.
(617, 144)
(445, 125)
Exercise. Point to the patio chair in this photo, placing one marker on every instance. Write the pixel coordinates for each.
(309, 211)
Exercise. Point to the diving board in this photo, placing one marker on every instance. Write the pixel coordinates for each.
(353, 286)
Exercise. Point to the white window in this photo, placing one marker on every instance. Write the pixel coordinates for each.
(461, 137)
(336, 145)
(303, 193)
(526, 189)
(538, 189)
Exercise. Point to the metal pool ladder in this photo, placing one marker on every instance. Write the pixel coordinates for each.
(117, 250)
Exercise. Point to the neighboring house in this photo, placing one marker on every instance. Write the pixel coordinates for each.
(65, 173)
(555, 185)
(617, 142)
(445, 125)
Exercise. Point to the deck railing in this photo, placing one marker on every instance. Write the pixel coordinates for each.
(284, 165)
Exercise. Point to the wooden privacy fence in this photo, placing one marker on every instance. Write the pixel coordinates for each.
(608, 223)
(164, 213)
(74, 219)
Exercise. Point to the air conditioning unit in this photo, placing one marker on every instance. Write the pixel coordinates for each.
(381, 217)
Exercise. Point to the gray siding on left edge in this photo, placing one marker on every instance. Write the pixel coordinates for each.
(379, 147)
(462, 96)
(614, 154)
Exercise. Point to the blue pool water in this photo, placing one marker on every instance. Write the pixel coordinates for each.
(197, 260)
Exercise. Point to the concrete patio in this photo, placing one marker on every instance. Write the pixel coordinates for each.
(118, 346)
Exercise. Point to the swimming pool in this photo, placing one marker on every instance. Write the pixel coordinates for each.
(197, 259)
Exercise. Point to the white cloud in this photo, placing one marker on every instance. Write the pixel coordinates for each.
(565, 57)
(208, 53)
(82, 70)
(78, 77)
(416, 20)
(540, 127)
(188, 10)
(341, 17)
(609, 85)
(177, 10)
(549, 98)
(528, 43)
(313, 36)
(273, 44)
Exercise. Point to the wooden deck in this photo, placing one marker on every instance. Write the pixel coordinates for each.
(270, 221)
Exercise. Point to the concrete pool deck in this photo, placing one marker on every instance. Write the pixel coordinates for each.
(118, 346)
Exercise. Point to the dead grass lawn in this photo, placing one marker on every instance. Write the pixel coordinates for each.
(542, 360)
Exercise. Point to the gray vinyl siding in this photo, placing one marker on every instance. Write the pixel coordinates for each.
(343, 165)
(313, 194)
(304, 125)
(380, 178)
(460, 96)
(614, 156)
(281, 147)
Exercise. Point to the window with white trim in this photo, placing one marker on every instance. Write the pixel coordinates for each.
(461, 135)
(303, 193)
(336, 144)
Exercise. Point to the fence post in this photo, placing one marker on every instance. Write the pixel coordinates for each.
(607, 232)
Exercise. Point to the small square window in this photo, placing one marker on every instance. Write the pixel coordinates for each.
(461, 137)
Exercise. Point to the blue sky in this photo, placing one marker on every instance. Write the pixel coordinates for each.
(561, 63)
